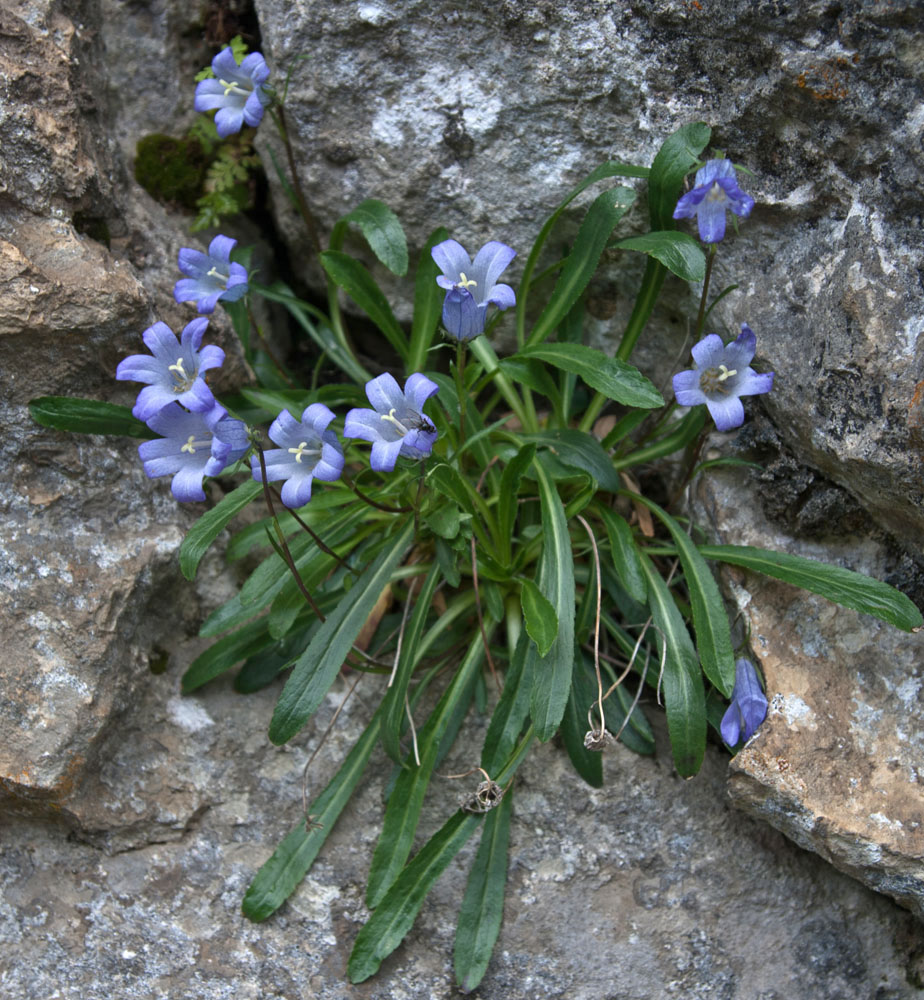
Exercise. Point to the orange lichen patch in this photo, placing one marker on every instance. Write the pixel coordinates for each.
(827, 82)
(692, 5)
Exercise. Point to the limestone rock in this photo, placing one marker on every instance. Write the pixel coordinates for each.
(837, 765)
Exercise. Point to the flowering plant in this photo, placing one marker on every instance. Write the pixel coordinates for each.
(493, 546)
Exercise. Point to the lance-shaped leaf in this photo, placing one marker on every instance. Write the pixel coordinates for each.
(625, 554)
(843, 586)
(87, 416)
(201, 535)
(382, 230)
(551, 674)
(316, 668)
(684, 694)
(538, 616)
(614, 378)
(678, 252)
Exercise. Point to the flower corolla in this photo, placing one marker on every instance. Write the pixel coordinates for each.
(210, 276)
(173, 369)
(715, 191)
(307, 450)
(236, 91)
(748, 707)
(720, 376)
(396, 424)
(471, 286)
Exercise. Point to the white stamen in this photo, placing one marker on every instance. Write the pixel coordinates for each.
(189, 444)
(391, 418)
(178, 368)
(215, 273)
(466, 282)
(232, 87)
(725, 373)
(299, 451)
(716, 193)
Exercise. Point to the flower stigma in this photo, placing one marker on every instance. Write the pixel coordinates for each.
(466, 282)
(232, 87)
(391, 418)
(299, 451)
(190, 445)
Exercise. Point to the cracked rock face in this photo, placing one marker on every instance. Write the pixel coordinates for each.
(838, 764)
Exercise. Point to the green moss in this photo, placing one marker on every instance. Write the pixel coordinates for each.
(171, 170)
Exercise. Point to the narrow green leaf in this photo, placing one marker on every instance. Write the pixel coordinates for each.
(614, 378)
(580, 451)
(511, 712)
(383, 233)
(444, 478)
(538, 616)
(405, 802)
(551, 674)
(579, 267)
(710, 619)
(225, 653)
(316, 668)
(87, 416)
(507, 497)
(281, 874)
(483, 904)
(201, 535)
(678, 252)
(843, 586)
(625, 554)
(428, 303)
(359, 284)
(393, 702)
(574, 725)
(263, 667)
(397, 912)
(684, 694)
(676, 157)
(637, 734)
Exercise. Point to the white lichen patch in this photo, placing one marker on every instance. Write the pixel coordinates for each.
(189, 715)
(889, 824)
(794, 710)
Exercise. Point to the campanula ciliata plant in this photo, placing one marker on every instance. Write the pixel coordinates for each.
(495, 553)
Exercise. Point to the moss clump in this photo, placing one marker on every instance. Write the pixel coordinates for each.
(171, 170)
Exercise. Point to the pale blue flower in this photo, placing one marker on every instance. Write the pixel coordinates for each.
(193, 445)
(237, 91)
(308, 450)
(471, 285)
(748, 707)
(716, 190)
(174, 372)
(211, 276)
(721, 374)
(396, 425)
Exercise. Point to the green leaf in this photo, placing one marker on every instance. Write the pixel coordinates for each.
(201, 535)
(507, 497)
(551, 674)
(483, 904)
(405, 802)
(281, 874)
(637, 734)
(511, 712)
(223, 654)
(843, 586)
(710, 620)
(383, 233)
(579, 267)
(580, 451)
(262, 668)
(359, 284)
(678, 252)
(614, 378)
(625, 554)
(674, 160)
(574, 725)
(87, 416)
(428, 303)
(447, 481)
(393, 702)
(316, 668)
(538, 616)
(684, 694)
(320, 332)
(531, 374)
(397, 912)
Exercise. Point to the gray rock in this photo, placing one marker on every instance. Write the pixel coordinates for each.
(650, 887)
(837, 764)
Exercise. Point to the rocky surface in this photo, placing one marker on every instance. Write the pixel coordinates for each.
(650, 887)
(838, 765)
(480, 117)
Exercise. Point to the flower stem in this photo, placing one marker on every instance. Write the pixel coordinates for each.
(701, 317)
(279, 117)
(460, 388)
